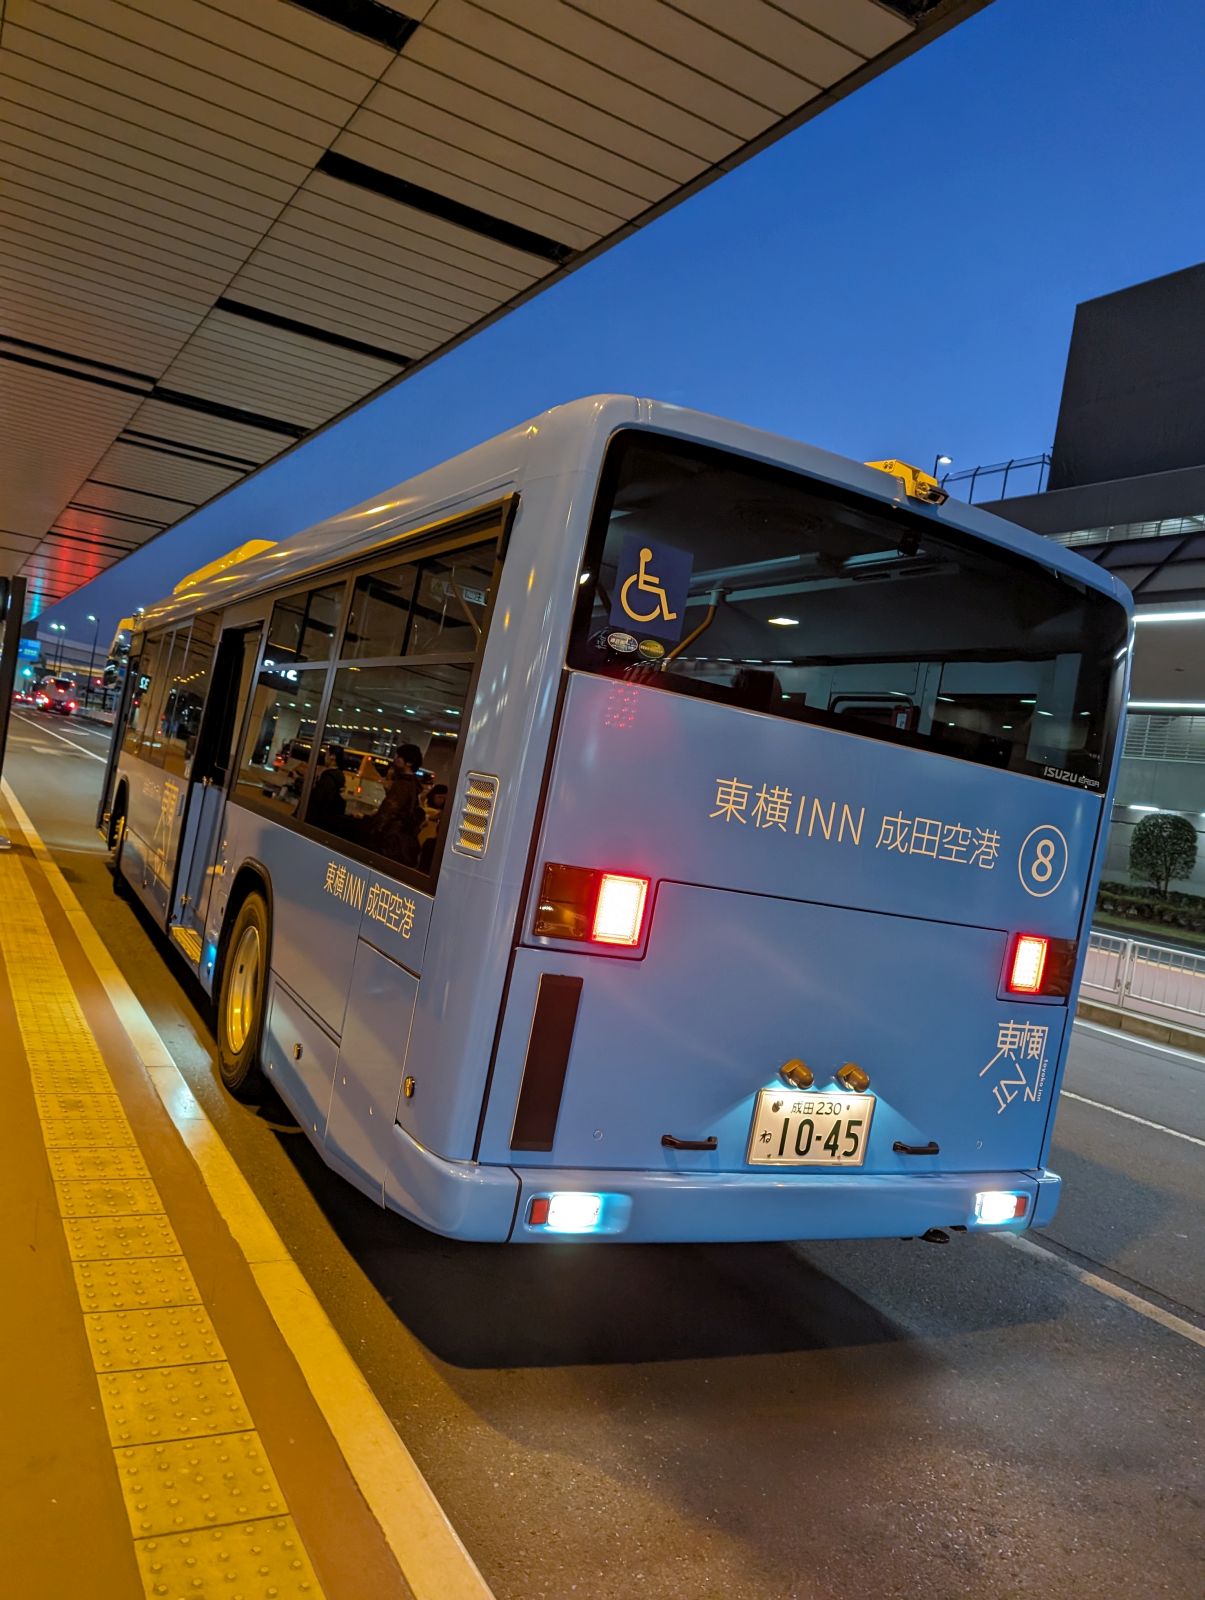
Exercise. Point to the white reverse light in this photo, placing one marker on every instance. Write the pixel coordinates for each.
(995, 1207)
(573, 1213)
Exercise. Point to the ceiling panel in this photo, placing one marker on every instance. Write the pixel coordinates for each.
(159, 96)
(360, 213)
(36, 482)
(476, 97)
(223, 222)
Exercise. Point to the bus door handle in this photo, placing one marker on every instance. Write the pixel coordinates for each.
(930, 1149)
(672, 1142)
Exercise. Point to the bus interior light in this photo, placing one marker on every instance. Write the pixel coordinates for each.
(996, 1207)
(1028, 964)
(619, 914)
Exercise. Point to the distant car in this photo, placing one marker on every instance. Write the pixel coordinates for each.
(23, 697)
(57, 694)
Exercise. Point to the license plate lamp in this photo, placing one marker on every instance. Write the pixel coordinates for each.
(796, 1074)
(852, 1077)
(998, 1208)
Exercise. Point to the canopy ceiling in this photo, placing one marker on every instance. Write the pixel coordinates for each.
(223, 222)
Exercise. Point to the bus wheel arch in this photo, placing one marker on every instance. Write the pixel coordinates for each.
(116, 838)
(117, 815)
(241, 986)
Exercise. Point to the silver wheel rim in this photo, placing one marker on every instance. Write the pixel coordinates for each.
(242, 990)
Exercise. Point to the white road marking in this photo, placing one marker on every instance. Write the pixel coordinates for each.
(1119, 1036)
(427, 1548)
(91, 754)
(1130, 1117)
(1144, 1308)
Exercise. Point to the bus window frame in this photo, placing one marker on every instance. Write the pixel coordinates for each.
(493, 523)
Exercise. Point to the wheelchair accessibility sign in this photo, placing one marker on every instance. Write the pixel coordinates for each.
(651, 585)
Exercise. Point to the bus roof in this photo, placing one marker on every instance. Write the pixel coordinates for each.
(548, 443)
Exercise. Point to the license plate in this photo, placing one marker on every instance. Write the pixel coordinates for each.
(809, 1130)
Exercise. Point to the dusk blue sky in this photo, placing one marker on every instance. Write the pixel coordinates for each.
(897, 278)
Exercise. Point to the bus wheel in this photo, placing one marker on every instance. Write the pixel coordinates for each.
(117, 838)
(241, 997)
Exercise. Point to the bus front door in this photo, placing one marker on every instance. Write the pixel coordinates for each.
(233, 670)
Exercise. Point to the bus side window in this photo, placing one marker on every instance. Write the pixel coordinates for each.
(222, 748)
(287, 696)
(449, 608)
(389, 740)
(388, 747)
(187, 687)
(147, 694)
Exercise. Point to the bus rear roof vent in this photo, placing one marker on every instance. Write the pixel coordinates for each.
(476, 814)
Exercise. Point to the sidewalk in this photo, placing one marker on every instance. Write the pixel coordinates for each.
(161, 1436)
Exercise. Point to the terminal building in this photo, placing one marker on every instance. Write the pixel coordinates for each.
(1125, 486)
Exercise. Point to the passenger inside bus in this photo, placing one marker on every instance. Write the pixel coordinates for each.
(328, 808)
(393, 829)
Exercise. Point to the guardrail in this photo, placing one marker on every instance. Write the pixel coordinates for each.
(1152, 979)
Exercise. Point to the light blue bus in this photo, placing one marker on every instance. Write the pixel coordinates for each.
(639, 828)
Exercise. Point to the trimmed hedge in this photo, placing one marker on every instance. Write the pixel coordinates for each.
(1139, 903)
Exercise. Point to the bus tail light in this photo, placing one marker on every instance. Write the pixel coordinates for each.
(619, 913)
(596, 907)
(1039, 965)
(1029, 963)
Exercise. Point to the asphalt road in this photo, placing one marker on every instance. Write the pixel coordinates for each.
(834, 1421)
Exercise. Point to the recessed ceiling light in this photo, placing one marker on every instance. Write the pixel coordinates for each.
(784, 622)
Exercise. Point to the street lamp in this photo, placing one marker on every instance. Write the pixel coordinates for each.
(941, 461)
(91, 661)
(57, 627)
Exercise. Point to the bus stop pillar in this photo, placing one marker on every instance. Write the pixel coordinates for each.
(12, 614)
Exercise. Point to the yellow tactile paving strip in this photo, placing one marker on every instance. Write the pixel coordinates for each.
(206, 1514)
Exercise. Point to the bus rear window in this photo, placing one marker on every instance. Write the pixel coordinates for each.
(710, 574)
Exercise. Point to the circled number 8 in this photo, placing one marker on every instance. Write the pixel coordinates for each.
(1042, 860)
(1042, 869)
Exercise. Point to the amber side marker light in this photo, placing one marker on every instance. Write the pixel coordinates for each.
(1028, 964)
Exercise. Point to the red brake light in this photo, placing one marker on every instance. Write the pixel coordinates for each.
(619, 914)
(596, 907)
(1028, 963)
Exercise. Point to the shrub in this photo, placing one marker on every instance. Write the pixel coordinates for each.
(1163, 847)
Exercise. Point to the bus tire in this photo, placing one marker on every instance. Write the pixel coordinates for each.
(242, 996)
(117, 839)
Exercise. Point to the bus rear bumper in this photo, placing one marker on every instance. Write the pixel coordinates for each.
(469, 1200)
(728, 1207)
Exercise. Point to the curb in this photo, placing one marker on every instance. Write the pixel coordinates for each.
(1142, 1027)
